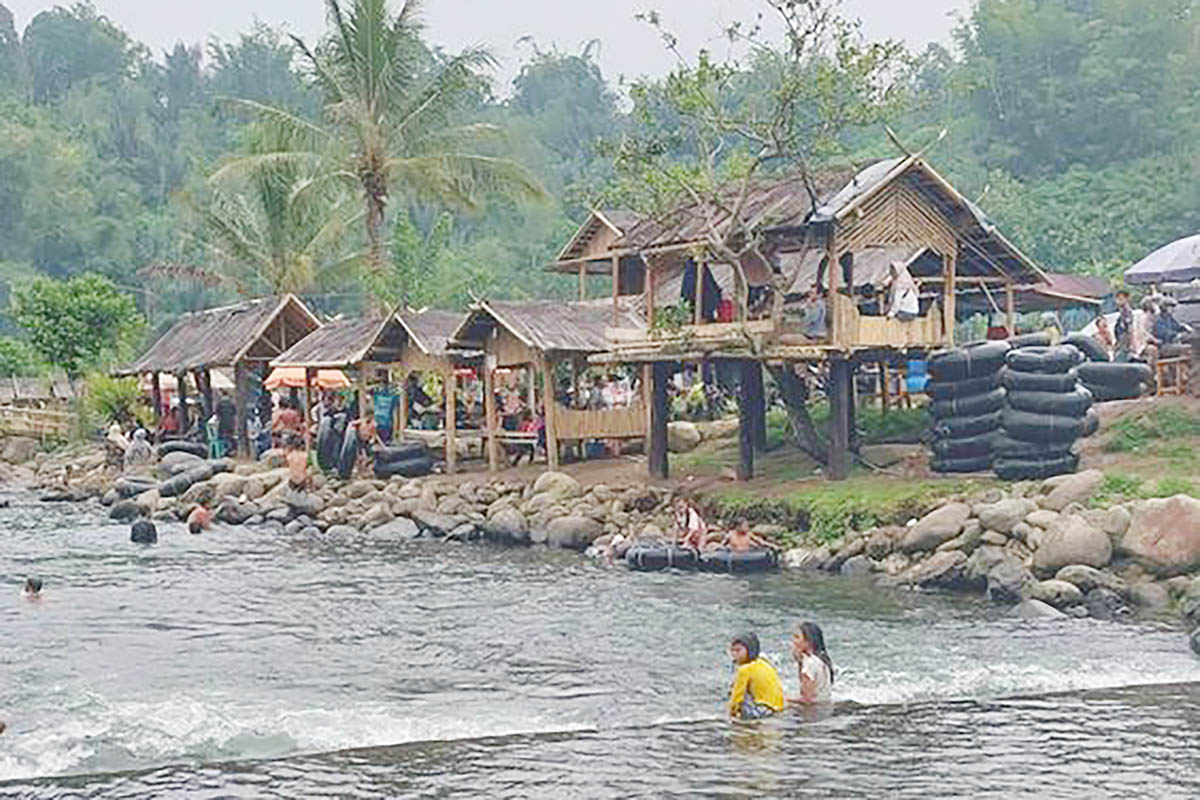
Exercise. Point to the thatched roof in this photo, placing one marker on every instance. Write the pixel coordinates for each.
(1060, 291)
(431, 330)
(614, 221)
(257, 330)
(338, 343)
(545, 326)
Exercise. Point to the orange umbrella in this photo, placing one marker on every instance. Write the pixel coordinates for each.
(293, 378)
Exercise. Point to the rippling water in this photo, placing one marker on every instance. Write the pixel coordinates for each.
(242, 664)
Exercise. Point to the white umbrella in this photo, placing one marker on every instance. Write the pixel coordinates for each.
(1178, 261)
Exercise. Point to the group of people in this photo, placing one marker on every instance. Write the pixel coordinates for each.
(1142, 334)
(694, 533)
(757, 691)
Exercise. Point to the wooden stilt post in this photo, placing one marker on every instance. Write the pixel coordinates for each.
(241, 435)
(648, 404)
(698, 310)
(531, 371)
(885, 388)
(204, 380)
(402, 407)
(839, 433)
(746, 421)
(583, 281)
(1010, 300)
(616, 287)
(548, 407)
(450, 386)
(364, 405)
(832, 316)
(657, 452)
(156, 398)
(181, 391)
(309, 373)
(950, 298)
(852, 408)
(752, 373)
(489, 413)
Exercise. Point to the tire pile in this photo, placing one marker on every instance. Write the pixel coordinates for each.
(967, 405)
(410, 459)
(1107, 380)
(338, 447)
(1045, 411)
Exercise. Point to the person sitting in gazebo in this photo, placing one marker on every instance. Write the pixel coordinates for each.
(1167, 329)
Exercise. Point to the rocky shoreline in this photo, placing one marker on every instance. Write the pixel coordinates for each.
(1039, 546)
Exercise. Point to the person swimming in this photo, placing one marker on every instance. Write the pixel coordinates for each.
(756, 690)
(816, 667)
(199, 519)
(33, 588)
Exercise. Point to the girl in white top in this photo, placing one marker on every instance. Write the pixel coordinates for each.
(816, 667)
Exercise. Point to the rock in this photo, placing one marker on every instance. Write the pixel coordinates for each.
(856, 567)
(1023, 532)
(235, 512)
(310, 532)
(147, 502)
(936, 527)
(254, 489)
(273, 458)
(301, 502)
(143, 532)
(338, 531)
(968, 540)
(357, 489)
(1115, 521)
(124, 511)
(1036, 609)
(557, 483)
(651, 533)
(1071, 541)
(379, 514)
(507, 524)
(1067, 489)
(720, 428)
(228, 484)
(980, 563)
(1059, 594)
(400, 529)
(1190, 609)
(1164, 535)
(895, 564)
(1088, 578)
(174, 463)
(944, 570)
(1002, 516)
(1104, 604)
(19, 449)
(881, 542)
(1194, 641)
(433, 523)
(994, 538)
(293, 527)
(572, 532)
(806, 558)
(682, 436)
(109, 497)
(1006, 581)
(1077, 611)
(1042, 518)
(280, 515)
(1149, 595)
(199, 493)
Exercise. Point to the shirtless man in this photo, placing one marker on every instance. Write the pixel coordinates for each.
(740, 539)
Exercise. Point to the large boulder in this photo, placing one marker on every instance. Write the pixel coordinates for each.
(1164, 535)
(201, 493)
(943, 570)
(1071, 541)
(1150, 595)
(936, 527)
(806, 558)
(19, 449)
(1066, 489)
(507, 524)
(400, 529)
(178, 461)
(433, 523)
(682, 436)
(856, 567)
(228, 484)
(558, 484)
(1004, 515)
(1059, 594)
(1089, 578)
(1105, 604)
(301, 502)
(1036, 609)
(1006, 581)
(124, 511)
(378, 514)
(572, 532)
(235, 512)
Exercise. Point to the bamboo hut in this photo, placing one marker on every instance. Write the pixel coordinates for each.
(540, 337)
(829, 240)
(245, 337)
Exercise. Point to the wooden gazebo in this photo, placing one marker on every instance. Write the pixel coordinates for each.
(539, 336)
(246, 337)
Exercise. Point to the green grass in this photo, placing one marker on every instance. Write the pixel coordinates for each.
(1156, 432)
(822, 511)
(1118, 487)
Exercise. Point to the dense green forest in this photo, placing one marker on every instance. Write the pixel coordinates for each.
(193, 176)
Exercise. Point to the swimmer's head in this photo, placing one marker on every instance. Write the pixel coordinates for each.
(744, 648)
(194, 527)
(33, 585)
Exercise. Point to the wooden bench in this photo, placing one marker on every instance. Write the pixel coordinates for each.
(1177, 367)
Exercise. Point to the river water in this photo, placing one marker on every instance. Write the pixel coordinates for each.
(242, 664)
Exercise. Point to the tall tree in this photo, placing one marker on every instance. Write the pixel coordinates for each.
(67, 46)
(393, 118)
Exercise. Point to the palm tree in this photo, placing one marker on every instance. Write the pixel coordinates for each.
(392, 119)
(275, 225)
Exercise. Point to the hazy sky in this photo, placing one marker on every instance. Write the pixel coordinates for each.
(628, 47)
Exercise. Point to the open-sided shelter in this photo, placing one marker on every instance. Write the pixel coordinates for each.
(539, 336)
(245, 336)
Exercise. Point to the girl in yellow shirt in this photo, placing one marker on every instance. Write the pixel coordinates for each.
(756, 691)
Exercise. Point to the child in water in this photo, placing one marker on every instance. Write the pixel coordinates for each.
(33, 588)
(756, 691)
(816, 667)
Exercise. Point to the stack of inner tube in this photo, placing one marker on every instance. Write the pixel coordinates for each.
(967, 402)
(1111, 381)
(1046, 411)
(409, 459)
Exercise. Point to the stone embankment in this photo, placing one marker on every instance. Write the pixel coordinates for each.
(1038, 546)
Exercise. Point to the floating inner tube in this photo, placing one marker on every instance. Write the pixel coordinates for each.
(195, 448)
(968, 362)
(1039, 339)
(1091, 349)
(409, 468)
(971, 406)
(1017, 381)
(128, 487)
(1007, 447)
(947, 390)
(1044, 359)
(327, 444)
(1068, 404)
(965, 447)
(960, 427)
(1029, 426)
(975, 464)
(174, 487)
(1116, 375)
(654, 557)
(402, 451)
(739, 561)
(1023, 469)
(348, 453)
(1103, 394)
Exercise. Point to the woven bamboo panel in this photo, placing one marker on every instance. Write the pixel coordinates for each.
(618, 423)
(855, 330)
(35, 422)
(898, 215)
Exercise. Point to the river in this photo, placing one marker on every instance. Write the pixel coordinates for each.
(242, 664)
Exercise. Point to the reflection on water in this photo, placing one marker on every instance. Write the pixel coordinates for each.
(241, 664)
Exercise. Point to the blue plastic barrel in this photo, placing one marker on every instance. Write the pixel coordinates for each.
(917, 377)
